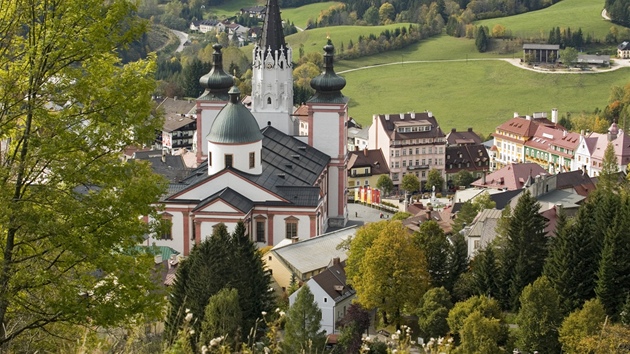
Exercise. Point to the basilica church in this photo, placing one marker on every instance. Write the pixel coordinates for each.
(253, 166)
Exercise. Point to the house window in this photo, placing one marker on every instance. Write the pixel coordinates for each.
(325, 299)
(252, 159)
(229, 160)
(260, 231)
(477, 244)
(394, 176)
(291, 227)
(358, 183)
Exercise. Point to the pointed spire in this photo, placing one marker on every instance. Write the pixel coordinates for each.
(272, 34)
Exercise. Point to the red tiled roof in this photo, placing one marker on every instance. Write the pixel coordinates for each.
(512, 176)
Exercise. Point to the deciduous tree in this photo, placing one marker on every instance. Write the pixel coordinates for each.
(70, 209)
(222, 317)
(434, 178)
(433, 311)
(385, 184)
(580, 324)
(539, 318)
(410, 183)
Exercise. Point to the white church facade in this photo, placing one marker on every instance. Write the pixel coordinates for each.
(252, 165)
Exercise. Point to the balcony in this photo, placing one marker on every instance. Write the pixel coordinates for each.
(418, 167)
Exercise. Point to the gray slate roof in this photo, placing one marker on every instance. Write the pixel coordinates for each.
(314, 253)
(290, 169)
(229, 196)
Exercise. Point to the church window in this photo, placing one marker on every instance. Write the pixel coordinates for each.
(229, 160)
(268, 100)
(291, 227)
(252, 159)
(166, 231)
(209, 158)
(260, 231)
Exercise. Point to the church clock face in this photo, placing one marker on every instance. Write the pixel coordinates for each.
(269, 65)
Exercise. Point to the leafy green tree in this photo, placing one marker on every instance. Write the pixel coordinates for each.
(70, 209)
(222, 317)
(487, 307)
(410, 183)
(433, 311)
(386, 13)
(401, 215)
(479, 334)
(463, 178)
(382, 255)
(371, 16)
(302, 330)
(434, 178)
(526, 248)
(569, 56)
(481, 39)
(581, 324)
(539, 317)
(385, 184)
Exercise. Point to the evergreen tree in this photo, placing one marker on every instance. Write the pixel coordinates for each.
(457, 260)
(302, 329)
(465, 216)
(613, 275)
(572, 260)
(191, 74)
(526, 248)
(485, 272)
(481, 39)
(431, 240)
(608, 178)
(539, 318)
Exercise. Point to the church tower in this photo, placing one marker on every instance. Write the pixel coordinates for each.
(327, 132)
(272, 80)
(217, 83)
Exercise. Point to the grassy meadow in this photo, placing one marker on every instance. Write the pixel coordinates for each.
(478, 94)
(231, 7)
(300, 15)
(566, 13)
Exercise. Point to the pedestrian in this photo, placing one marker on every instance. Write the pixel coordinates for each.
(356, 214)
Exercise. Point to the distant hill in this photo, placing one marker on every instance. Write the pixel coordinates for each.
(157, 38)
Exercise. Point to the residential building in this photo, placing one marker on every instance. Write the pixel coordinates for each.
(357, 136)
(511, 177)
(365, 167)
(621, 145)
(411, 143)
(179, 126)
(540, 53)
(595, 60)
(623, 50)
(306, 258)
(467, 137)
(205, 26)
(281, 186)
(332, 295)
(253, 11)
(552, 148)
(510, 137)
(471, 157)
(481, 231)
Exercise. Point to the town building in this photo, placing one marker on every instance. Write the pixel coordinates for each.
(623, 50)
(552, 148)
(280, 185)
(540, 53)
(589, 154)
(365, 167)
(511, 177)
(464, 152)
(411, 143)
(179, 126)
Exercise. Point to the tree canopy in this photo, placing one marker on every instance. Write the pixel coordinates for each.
(70, 209)
(302, 331)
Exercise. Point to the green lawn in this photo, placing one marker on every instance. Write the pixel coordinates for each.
(566, 13)
(300, 15)
(478, 94)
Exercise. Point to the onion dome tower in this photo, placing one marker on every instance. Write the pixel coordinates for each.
(327, 132)
(234, 139)
(217, 83)
(272, 75)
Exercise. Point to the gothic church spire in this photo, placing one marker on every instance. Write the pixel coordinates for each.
(272, 34)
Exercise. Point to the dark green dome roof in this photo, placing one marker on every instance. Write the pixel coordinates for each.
(217, 80)
(328, 85)
(234, 124)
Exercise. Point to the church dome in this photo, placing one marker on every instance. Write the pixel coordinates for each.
(217, 80)
(234, 124)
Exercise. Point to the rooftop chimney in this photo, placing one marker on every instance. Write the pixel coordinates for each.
(515, 114)
(430, 114)
(387, 117)
(365, 151)
(453, 130)
(554, 115)
(413, 115)
(470, 129)
(336, 261)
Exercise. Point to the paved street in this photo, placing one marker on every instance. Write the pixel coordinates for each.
(359, 214)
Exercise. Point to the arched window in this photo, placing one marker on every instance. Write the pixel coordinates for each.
(268, 100)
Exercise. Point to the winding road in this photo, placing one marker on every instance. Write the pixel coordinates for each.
(183, 38)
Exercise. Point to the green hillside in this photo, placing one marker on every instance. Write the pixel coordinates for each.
(300, 15)
(231, 7)
(566, 13)
(478, 94)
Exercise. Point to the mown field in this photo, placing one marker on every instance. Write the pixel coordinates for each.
(566, 13)
(474, 93)
(300, 15)
(231, 7)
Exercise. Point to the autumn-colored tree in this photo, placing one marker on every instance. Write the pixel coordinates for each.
(581, 324)
(387, 269)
